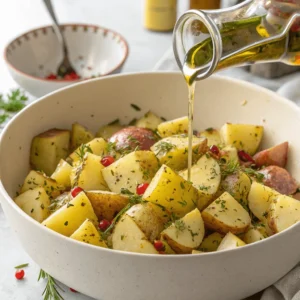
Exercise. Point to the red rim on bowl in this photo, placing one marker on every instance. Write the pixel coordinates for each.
(95, 27)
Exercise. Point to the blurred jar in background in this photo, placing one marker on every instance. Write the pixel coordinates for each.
(205, 4)
(160, 15)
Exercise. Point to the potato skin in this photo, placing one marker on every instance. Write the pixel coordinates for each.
(275, 156)
(279, 179)
(130, 138)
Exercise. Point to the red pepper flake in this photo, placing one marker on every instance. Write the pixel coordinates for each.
(214, 149)
(245, 157)
(75, 191)
(73, 291)
(141, 188)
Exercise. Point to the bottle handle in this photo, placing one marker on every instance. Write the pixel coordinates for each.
(198, 73)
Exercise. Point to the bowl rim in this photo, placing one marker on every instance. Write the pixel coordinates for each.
(14, 206)
(9, 64)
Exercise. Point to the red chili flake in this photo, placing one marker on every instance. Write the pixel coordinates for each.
(214, 149)
(141, 188)
(20, 274)
(73, 291)
(245, 157)
(75, 191)
(107, 160)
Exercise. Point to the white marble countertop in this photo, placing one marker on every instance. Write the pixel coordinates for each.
(146, 48)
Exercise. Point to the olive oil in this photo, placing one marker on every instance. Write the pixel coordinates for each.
(239, 48)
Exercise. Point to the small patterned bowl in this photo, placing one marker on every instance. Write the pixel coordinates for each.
(94, 51)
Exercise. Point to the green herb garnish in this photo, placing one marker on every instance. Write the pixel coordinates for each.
(134, 106)
(164, 147)
(51, 289)
(84, 148)
(22, 266)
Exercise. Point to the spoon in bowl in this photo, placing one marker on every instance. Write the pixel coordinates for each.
(65, 67)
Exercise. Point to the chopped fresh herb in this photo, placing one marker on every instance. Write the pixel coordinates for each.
(114, 122)
(134, 106)
(253, 173)
(69, 205)
(51, 289)
(15, 101)
(21, 266)
(179, 225)
(228, 168)
(84, 148)
(164, 147)
(182, 185)
(66, 223)
(132, 122)
(3, 118)
(183, 203)
(210, 129)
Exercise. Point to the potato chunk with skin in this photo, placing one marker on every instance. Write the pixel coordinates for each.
(173, 151)
(96, 146)
(149, 120)
(185, 234)
(88, 174)
(129, 171)
(35, 203)
(87, 233)
(171, 191)
(206, 177)
(147, 219)
(229, 153)
(48, 148)
(35, 179)
(238, 186)
(242, 136)
(226, 214)
(283, 213)
(279, 179)
(230, 241)
(276, 156)
(62, 174)
(106, 204)
(80, 135)
(127, 236)
(68, 219)
(211, 242)
(212, 135)
(173, 127)
(260, 198)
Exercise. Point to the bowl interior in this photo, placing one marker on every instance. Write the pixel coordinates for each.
(97, 102)
(94, 51)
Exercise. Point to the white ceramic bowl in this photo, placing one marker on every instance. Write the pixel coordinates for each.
(94, 51)
(112, 275)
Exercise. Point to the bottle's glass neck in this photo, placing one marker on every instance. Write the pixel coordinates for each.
(255, 31)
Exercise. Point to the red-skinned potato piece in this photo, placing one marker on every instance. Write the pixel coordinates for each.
(275, 156)
(130, 138)
(279, 179)
(297, 196)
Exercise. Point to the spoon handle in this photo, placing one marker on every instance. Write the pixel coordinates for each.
(56, 26)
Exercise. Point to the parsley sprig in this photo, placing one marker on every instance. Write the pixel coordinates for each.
(51, 290)
(11, 103)
(164, 147)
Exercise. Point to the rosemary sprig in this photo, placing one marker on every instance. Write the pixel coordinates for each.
(51, 289)
(21, 266)
(84, 148)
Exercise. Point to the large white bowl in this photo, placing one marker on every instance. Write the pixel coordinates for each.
(94, 51)
(111, 275)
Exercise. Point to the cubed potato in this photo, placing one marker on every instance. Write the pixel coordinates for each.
(230, 241)
(127, 236)
(88, 174)
(107, 204)
(48, 148)
(108, 130)
(212, 135)
(87, 233)
(226, 214)
(69, 218)
(35, 203)
(62, 174)
(173, 127)
(149, 120)
(254, 234)
(242, 136)
(97, 146)
(283, 213)
(80, 135)
(171, 191)
(185, 234)
(238, 186)
(206, 177)
(35, 179)
(211, 242)
(279, 179)
(147, 219)
(60, 201)
(129, 171)
(173, 151)
(229, 153)
(275, 156)
(260, 198)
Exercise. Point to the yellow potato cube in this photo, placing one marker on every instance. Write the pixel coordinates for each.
(230, 241)
(211, 242)
(62, 174)
(173, 127)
